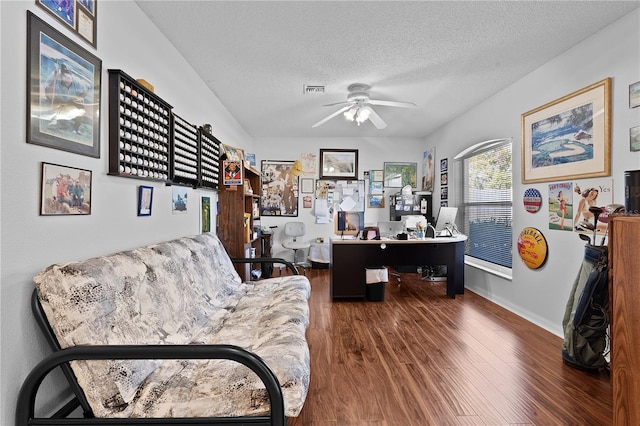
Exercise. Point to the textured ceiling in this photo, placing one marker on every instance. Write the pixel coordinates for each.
(444, 56)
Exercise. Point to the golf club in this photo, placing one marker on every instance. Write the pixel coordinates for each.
(611, 209)
(585, 237)
(596, 211)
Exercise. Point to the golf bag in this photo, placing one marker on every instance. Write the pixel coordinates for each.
(586, 318)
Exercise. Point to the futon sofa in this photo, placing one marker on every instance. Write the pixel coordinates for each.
(148, 330)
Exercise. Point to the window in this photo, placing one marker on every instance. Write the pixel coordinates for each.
(486, 204)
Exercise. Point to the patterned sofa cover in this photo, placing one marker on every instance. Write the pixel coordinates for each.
(184, 291)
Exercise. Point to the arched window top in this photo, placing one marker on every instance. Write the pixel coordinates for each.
(481, 147)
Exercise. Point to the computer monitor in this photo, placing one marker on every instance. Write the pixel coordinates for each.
(350, 223)
(390, 229)
(446, 216)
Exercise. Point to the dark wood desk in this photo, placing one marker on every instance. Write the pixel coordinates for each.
(350, 258)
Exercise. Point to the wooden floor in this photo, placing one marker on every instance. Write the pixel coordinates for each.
(420, 358)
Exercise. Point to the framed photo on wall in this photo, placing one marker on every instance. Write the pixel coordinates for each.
(375, 201)
(78, 15)
(205, 214)
(64, 190)
(307, 186)
(376, 176)
(397, 175)
(145, 200)
(279, 195)
(428, 169)
(63, 91)
(634, 138)
(232, 172)
(444, 165)
(233, 153)
(338, 164)
(634, 95)
(444, 178)
(569, 138)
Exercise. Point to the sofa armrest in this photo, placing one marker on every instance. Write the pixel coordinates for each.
(288, 264)
(25, 410)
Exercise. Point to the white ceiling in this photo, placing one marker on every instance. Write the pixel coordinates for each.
(445, 56)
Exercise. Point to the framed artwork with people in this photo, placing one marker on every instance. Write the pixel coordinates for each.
(63, 91)
(65, 190)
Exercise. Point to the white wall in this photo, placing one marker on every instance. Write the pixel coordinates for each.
(372, 153)
(126, 40)
(540, 295)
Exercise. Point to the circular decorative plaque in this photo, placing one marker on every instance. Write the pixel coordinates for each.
(532, 200)
(532, 247)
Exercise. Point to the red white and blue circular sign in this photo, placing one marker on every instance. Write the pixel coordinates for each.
(532, 200)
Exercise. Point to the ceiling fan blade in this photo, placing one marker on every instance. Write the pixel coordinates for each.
(329, 117)
(341, 103)
(376, 120)
(393, 103)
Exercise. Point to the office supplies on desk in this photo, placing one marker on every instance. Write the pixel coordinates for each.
(414, 221)
(371, 233)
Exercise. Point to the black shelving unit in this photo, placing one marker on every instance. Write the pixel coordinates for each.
(209, 160)
(139, 130)
(185, 153)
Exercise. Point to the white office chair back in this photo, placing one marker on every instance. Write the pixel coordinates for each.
(294, 229)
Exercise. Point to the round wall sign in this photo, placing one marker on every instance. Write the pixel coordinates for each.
(532, 200)
(532, 247)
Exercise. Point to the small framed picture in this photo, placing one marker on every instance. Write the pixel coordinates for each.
(78, 15)
(179, 199)
(376, 188)
(634, 138)
(444, 192)
(232, 172)
(65, 191)
(247, 187)
(444, 178)
(375, 201)
(145, 200)
(307, 186)
(233, 153)
(307, 201)
(444, 165)
(205, 206)
(634, 94)
(377, 175)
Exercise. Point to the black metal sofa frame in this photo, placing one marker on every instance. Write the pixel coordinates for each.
(25, 410)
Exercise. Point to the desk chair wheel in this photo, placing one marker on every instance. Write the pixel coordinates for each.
(397, 276)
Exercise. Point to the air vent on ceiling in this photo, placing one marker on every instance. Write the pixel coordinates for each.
(313, 88)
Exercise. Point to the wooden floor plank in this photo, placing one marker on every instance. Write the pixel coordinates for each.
(421, 358)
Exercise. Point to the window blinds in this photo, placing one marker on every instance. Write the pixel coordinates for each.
(486, 203)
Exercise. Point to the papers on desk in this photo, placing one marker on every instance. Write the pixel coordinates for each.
(347, 237)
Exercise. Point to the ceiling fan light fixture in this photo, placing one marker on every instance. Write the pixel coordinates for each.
(350, 114)
(363, 114)
(358, 107)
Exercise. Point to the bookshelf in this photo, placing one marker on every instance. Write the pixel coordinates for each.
(238, 217)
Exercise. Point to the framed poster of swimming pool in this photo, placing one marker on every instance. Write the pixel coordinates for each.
(569, 138)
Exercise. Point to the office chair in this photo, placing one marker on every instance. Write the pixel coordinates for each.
(295, 230)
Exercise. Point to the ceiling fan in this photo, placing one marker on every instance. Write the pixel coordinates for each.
(357, 107)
